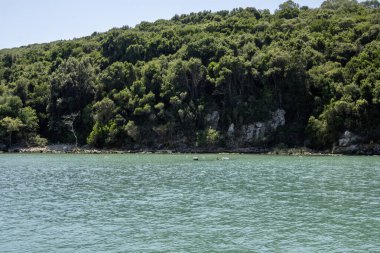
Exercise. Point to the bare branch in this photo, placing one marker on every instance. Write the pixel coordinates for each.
(69, 120)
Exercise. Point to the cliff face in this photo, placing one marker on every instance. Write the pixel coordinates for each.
(259, 132)
(255, 133)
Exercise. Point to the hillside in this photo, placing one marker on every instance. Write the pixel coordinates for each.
(228, 79)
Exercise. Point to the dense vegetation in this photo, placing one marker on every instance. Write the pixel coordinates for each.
(154, 85)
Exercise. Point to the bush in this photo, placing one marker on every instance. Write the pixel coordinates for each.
(38, 141)
(209, 137)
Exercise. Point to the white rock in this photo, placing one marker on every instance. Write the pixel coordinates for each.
(259, 130)
(348, 138)
(231, 130)
(212, 119)
(278, 119)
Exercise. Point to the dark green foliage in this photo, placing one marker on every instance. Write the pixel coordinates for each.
(157, 84)
(72, 89)
(116, 77)
(288, 10)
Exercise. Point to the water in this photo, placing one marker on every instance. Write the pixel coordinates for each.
(170, 203)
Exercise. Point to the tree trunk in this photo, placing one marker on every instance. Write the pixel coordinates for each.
(75, 136)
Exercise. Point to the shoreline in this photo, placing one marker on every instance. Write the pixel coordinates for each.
(353, 150)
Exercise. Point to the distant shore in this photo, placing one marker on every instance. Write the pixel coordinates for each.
(369, 149)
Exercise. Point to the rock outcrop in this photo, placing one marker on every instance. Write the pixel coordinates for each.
(212, 119)
(358, 149)
(259, 131)
(231, 131)
(254, 132)
(348, 139)
(278, 119)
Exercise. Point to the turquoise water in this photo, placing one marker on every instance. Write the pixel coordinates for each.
(170, 203)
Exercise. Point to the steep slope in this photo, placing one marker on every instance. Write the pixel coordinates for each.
(235, 78)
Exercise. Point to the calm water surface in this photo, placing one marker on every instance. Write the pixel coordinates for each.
(170, 203)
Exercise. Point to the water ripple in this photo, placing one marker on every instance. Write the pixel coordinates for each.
(170, 203)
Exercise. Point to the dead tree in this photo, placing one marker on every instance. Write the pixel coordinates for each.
(69, 121)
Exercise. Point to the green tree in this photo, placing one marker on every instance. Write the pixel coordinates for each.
(133, 130)
(117, 76)
(103, 110)
(72, 89)
(11, 126)
(288, 10)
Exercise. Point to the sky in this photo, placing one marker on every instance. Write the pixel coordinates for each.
(24, 22)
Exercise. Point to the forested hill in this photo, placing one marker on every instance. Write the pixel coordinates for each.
(230, 79)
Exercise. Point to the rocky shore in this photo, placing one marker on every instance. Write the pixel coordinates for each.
(357, 149)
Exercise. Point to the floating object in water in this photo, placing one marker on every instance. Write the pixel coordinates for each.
(195, 158)
(225, 158)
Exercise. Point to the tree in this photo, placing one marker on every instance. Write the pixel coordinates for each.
(342, 5)
(208, 137)
(10, 105)
(116, 77)
(30, 120)
(103, 110)
(133, 130)
(371, 3)
(288, 10)
(72, 86)
(72, 89)
(11, 125)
